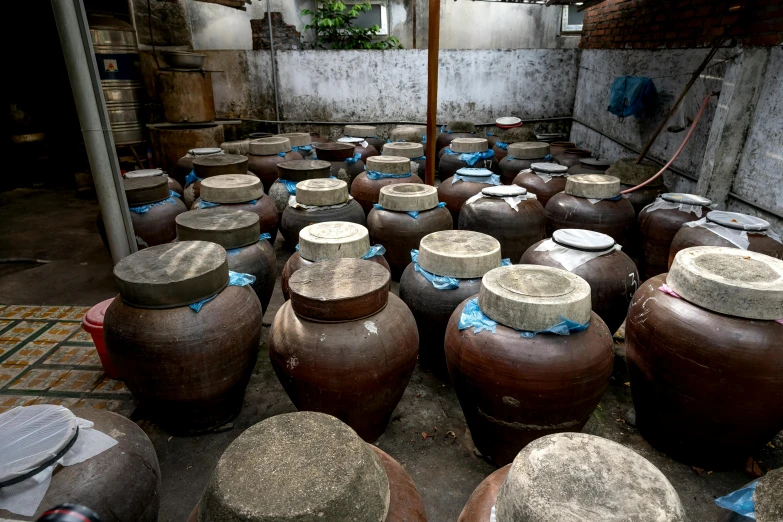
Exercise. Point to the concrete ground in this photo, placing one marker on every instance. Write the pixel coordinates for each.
(427, 434)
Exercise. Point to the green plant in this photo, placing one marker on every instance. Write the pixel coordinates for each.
(333, 22)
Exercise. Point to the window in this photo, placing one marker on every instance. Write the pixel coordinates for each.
(375, 16)
(572, 19)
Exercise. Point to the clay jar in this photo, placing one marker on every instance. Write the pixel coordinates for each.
(458, 189)
(452, 131)
(553, 471)
(458, 156)
(728, 229)
(706, 367)
(507, 213)
(515, 389)
(318, 201)
(209, 166)
(344, 345)
(381, 171)
(265, 154)
(631, 174)
(572, 157)
(412, 151)
(464, 257)
(189, 369)
(407, 133)
(597, 259)
(293, 172)
(346, 164)
(590, 166)
(592, 202)
(660, 222)
(240, 147)
(558, 147)
(241, 192)
(237, 231)
(406, 213)
(505, 138)
(184, 165)
(367, 133)
(363, 149)
(543, 179)
(330, 240)
(174, 185)
(301, 142)
(346, 478)
(520, 157)
(152, 210)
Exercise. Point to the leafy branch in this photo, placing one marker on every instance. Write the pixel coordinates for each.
(333, 24)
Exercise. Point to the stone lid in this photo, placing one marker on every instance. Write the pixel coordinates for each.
(321, 192)
(408, 197)
(236, 147)
(339, 290)
(474, 172)
(143, 191)
(686, 199)
(533, 297)
(553, 169)
(580, 239)
(297, 139)
(469, 145)
(360, 131)
(504, 191)
(389, 164)
(143, 173)
(333, 240)
(410, 134)
(576, 476)
(767, 498)
(593, 163)
(404, 149)
(231, 188)
(630, 173)
(459, 253)
(226, 226)
(334, 151)
(219, 164)
(205, 151)
(460, 126)
(300, 170)
(297, 467)
(172, 275)
(518, 134)
(592, 186)
(269, 146)
(737, 221)
(528, 150)
(729, 281)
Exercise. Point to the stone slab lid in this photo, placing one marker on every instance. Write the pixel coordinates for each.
(231, 188)
(518, 134)
(504, 191)
(360, 131)
(592, 186)
(143, 191)
(459, 253)
(297, 139)
(474, 172)
(218, 164)
(404, 149)
(322, 192)
(407, 197)
(339, 290)
(334, 151)
(570, 476)
(534, 298)
(737, 221)
(460, 126)
(463, 145)
(297, 467)
(236, 147)
(389, 164)
(553, 169)
(143, 173)
(631, 173)
(172, 275)
(686, 199)
(300, 170)
(269, 146)
(407, 134)
(729, 281)
(585, 240)
(226, 226)
(528, 149)
(333, 240)
(205, 151)
(592, 163)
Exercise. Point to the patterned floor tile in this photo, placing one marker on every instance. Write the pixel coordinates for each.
(59, 332)
(8, 372)
(80, 337)
(37, 379)
(92, 359)
(51, 312)
(100, 404)
(109, 385)
(73, 356)
(19, 312)
(5, 322)
(29, 353)
(78, 381)
(76, 313)
(12, 401)
(14, 337)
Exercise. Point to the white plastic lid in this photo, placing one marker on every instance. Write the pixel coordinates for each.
(737, 221)
(473, 172)
(143, 173)
(686, 199)
(504, 191)
(508, 120)
(586, 240)
(205, 151)
(553, 169)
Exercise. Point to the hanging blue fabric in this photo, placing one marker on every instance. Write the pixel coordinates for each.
(375, 250)
(143, 209)
(234, 279)
(191, 178)
(439, 282)
(473, 316)
(631, 96)
(472, 157)
(302, 148)
(412, 213)
(502, 145)
(374, 175)
(289, 185)
(356, 157)
(740, 501)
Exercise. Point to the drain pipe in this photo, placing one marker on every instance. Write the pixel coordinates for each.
(274, 63)
(96, 130)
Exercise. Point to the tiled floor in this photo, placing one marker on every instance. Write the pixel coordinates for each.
(46, 358)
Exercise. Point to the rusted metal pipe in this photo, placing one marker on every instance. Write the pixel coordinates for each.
(433, 45)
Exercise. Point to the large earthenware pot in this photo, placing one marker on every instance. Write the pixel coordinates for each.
(367, 133)
(345, 162)
(153, 209)
(520, 156)
(289, 173)
(505, 138)
(452, 131)
(174, 185)
(543, 179)
(265, 154)
(572, 157)
(382, 171)
(466, 183)
(558, 147)
(301, 142)
(412, 151)
(466, 153)
(632, 174)
(184, 165)
(589, 166)
(209, 166)
(362, 148)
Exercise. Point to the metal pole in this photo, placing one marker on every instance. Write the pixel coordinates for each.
(96, 130)
(274, 63)
(433, 45)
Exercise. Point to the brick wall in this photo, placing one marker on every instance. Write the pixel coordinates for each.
(653, 24)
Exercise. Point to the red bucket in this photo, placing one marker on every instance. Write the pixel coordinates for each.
(92, 322)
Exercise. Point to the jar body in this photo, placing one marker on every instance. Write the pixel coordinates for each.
(454, 195)
(450, 164)
(514, 390)
(158, 225)
(558, 147)
(479, 506)
(376, 142)
(405, 502)
(175, 186)
(581, 169)
(399, 233)
(707, 387)
(366, 152)
(613, 218)
(297, 262)
(658, 229)
(511, 167)
(687, 237)
(544, 190)
(265, 167)
(188, 368)
(295, 219)
(444, 139)
(642, 197)
(515, 230)
(571, 157)
(263, 207)
(346, 171)
(260, 261)
(356, 371)
(367, 191)
(278, 193)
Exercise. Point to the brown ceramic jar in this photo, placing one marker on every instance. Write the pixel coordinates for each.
(184, 165)
(455, 129)
(543, 179)
(405, 213)
(458, 156)
(174, 185)
(209, 166)
(152, 210)
(240, 147)
(367, 133)
(346, 163)
(265, 154)
(188, 368)
(362, 148)
(590, 166)
(556, 148)
(382, 171)
(458, 189)
(706, 367)
(289, 173)
(410, 150)
(344, 345)
(301, 142)
(520, 156)
(572, 157)
(506, 137)
(632, 174)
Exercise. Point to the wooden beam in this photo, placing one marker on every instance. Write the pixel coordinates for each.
(433, 45)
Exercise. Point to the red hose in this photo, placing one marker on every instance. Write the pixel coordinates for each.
(682, 145)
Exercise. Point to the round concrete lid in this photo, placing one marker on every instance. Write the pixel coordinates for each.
(321, 192)
(333, 240)
(226, 226)
(297, 467)
(460, 126)
(235, 147)
(737, 221)
(409, 134)
(269, 146)
(729, 281)
(297, 139)
(528, 150)
(459, 253)
(534, 298)
(767, 497)
(231, 188)
(504, 191)
(389, 164)
(143, 191)
(553, 169)
(517, 135)
(360, 131)
(468, 145)
(686, 199)
(593, 163)
(143, 173)
(407, 197)
(579, 239)
(219, 164)
(404, 149)
(575, 476)
(172, 275)
(631, 173)
(334, 151)
(592, 186)
(474, 172)
(205, 151)
(300, 170)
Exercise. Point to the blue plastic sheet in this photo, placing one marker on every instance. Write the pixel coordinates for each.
(420, 158)
(503, 145)
(356, 157)
(191, 178)
(234, 279)
(505, 262)
(235, 251)
(302, 148)
(494, 179)
(374, 175)
(174, 194)
(439, 282)
(740, 501)
(143, 209)
(631, 96)
(471, 157)
(281, 154)
(200, 203)
(289, 185)
(473, 316)
(564, 327)
(375, 250)
(412, 213)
